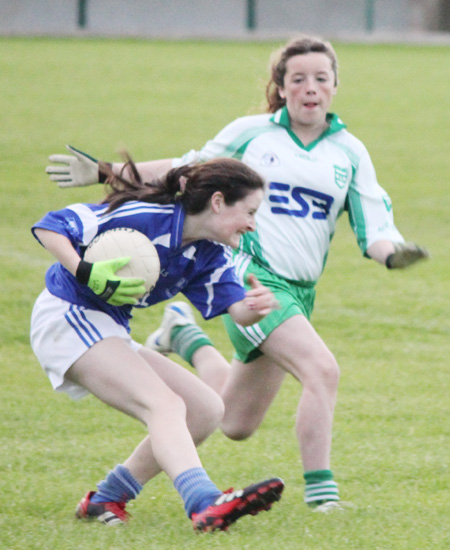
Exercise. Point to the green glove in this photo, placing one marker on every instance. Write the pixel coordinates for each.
(80, 169)
(100, 278)
(405, 255)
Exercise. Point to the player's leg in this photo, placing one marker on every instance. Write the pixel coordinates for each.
(179, 333)
(248, 393)
(296, 348)
(204, 406)
(250, 389)
(211, 366)
(120, 377)
(204, 411)
(299, 350)
(287, 339)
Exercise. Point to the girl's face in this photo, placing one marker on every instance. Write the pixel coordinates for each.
(308, 88)
(231, 222)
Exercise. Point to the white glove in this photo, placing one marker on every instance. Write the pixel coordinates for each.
(405, 255)
(79, 170)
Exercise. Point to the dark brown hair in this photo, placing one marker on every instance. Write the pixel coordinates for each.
(300, 45)
(200, 181)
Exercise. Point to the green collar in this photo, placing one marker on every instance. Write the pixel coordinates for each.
(335, 124)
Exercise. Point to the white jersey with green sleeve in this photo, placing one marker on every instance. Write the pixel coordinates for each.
(307, 189)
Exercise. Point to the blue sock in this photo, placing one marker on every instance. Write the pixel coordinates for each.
(196, 489)
(118, 486)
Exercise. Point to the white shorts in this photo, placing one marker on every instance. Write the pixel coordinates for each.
(62, 332)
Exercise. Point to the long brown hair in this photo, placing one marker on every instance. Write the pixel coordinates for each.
(300, 45)
(192, 185)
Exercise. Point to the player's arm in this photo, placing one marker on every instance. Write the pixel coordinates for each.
(258, 302)
(396, 255)
(80, 169)
(148, 170)
(366, 196)
(100, 277)
(60, 247)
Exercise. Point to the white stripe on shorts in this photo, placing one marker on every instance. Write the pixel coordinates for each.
(253, 334)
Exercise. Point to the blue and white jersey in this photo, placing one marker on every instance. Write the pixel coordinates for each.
(203, 271)
(308, 188)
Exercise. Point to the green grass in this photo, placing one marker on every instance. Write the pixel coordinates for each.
(389, 331)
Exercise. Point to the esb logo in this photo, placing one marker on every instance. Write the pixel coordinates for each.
(309, 201)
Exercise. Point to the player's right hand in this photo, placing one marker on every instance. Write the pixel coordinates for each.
(101, 278)
(259, 298)
(78, 170)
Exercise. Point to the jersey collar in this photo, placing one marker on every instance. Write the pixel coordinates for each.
(281, 118)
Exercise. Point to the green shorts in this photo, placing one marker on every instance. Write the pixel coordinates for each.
(294, 299)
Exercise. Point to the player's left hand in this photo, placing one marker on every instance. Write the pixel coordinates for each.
(406, 254)
(259, 298)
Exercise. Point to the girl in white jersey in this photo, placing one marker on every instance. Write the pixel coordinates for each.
(315, 171)
(80, 333)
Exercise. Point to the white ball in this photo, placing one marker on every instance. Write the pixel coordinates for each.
(125, 242)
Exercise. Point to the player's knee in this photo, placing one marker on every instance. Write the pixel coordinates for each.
(216, 411)
(209, 415)
(326, 372)
(332, 372)
(167, 405)
(177, 405)
(237, 431)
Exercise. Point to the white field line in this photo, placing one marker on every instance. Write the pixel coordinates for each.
(25, 258)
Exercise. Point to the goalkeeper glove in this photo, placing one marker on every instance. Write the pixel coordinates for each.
(101, 279)
(405, 255)
(80, 169)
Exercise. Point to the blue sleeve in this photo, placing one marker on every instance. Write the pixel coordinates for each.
(76, 222)
(64, 222)
(216, 286)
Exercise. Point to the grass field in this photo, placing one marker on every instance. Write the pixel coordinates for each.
(390, 331)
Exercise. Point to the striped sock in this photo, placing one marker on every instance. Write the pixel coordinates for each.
(320, 487)
(118, 486)
(196, 490)
(187, 339)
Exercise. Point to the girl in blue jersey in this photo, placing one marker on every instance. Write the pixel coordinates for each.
(315, 170)
(80, 327)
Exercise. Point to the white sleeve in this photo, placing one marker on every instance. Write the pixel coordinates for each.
(370, 207)
(189, 158)
(226, 143)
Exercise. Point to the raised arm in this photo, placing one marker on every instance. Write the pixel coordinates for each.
(80, 169)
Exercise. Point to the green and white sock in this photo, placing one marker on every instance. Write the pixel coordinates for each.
(320, 487)
(187, 339)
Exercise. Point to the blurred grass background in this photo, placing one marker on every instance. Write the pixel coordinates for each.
(389, 330)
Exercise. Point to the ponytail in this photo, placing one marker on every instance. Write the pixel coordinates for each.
(192, 185)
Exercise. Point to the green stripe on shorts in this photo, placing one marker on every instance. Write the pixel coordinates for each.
(294, 299)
